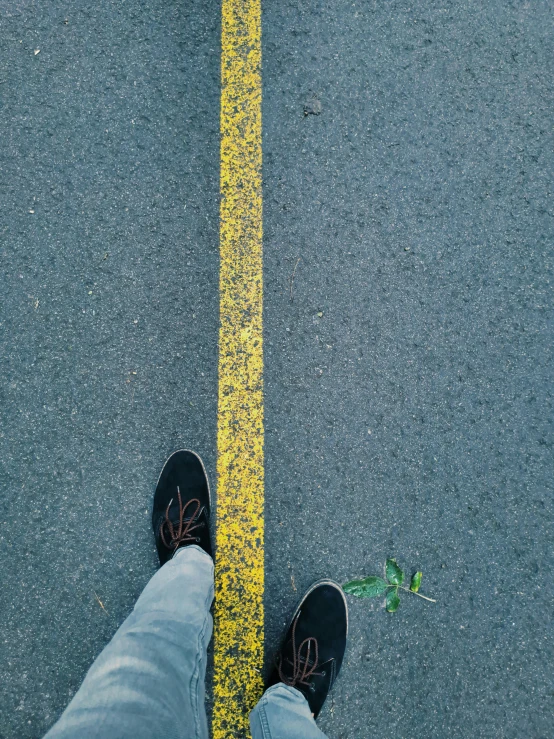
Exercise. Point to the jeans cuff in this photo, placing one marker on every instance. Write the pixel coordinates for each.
(289, 688)
(181, 550)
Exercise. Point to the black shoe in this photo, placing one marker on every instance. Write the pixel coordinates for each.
(181, 512)
(314, 645)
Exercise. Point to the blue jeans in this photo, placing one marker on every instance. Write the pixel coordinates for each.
(148, 682)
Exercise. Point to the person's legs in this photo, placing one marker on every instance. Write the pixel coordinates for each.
(283, 713)
(149, 681)
(307, 667)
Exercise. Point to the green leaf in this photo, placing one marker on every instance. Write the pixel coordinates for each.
(393, 601)
(416, 582)
(369, 587)
(394, 573)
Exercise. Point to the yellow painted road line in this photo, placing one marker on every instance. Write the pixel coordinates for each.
(239, 615)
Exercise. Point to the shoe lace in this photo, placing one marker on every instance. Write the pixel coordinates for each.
(303, 665)
(181, 533)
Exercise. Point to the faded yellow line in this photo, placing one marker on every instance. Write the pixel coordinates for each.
(239, 616)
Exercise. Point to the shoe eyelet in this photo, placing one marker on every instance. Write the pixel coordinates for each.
(323, 673)
(198, 540)
(312, 687)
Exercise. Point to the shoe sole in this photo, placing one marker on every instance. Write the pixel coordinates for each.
(315, 585)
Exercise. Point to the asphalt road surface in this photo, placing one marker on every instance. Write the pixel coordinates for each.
(408, 177)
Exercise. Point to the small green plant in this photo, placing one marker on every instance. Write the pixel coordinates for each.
(372, 586)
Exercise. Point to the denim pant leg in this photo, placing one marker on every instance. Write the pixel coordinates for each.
(149, 681)
(283, 713)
